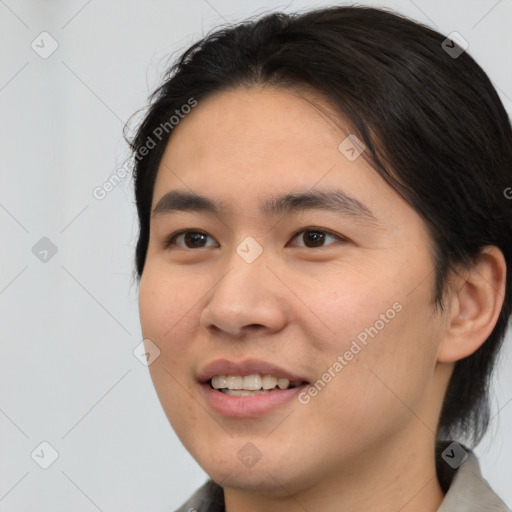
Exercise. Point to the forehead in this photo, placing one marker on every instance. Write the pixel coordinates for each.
(245, 120)
(250, 135)
(241, 147)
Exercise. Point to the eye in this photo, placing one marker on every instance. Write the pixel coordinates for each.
(191, 239)
(314, 238)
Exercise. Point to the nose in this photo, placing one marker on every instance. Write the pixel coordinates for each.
(247, 298)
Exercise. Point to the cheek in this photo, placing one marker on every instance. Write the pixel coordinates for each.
(163, 319)
(359, 309)
(381, 346)
(166, 311)
(166, 302)
(385, 303)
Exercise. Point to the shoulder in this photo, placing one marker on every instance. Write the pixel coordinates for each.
(208, 498)
(466, 489)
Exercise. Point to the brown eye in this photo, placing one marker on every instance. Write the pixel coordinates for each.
(191, 240)
(315, 238)
(194, 239)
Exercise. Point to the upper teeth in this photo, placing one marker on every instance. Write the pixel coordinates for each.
(250, 382)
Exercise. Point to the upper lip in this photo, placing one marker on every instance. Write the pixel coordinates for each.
(244, 368)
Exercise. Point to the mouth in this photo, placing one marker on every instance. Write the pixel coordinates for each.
(249, 388)
(250, 385)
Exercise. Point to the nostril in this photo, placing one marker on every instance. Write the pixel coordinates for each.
(253, 327)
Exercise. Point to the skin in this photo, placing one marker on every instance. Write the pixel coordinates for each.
(373, 426)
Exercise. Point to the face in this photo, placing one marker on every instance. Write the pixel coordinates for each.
(331, 289)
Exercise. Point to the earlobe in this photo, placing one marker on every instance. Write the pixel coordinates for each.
(475, 305)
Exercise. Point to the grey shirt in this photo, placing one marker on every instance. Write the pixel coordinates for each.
(461, 480)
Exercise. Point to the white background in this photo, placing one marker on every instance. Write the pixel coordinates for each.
(68, 327)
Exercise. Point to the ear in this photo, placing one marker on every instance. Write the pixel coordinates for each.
(475, 300)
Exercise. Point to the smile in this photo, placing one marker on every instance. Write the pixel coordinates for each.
(249, 385)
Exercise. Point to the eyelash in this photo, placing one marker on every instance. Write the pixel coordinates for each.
(171, 240)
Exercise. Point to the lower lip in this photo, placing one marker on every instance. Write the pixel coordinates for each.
(248, 406)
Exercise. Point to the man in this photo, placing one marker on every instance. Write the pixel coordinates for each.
(323, 251)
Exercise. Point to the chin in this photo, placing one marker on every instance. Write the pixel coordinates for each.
(268, 476)
(265, 481)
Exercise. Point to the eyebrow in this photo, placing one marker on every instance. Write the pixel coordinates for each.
(335, 201)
